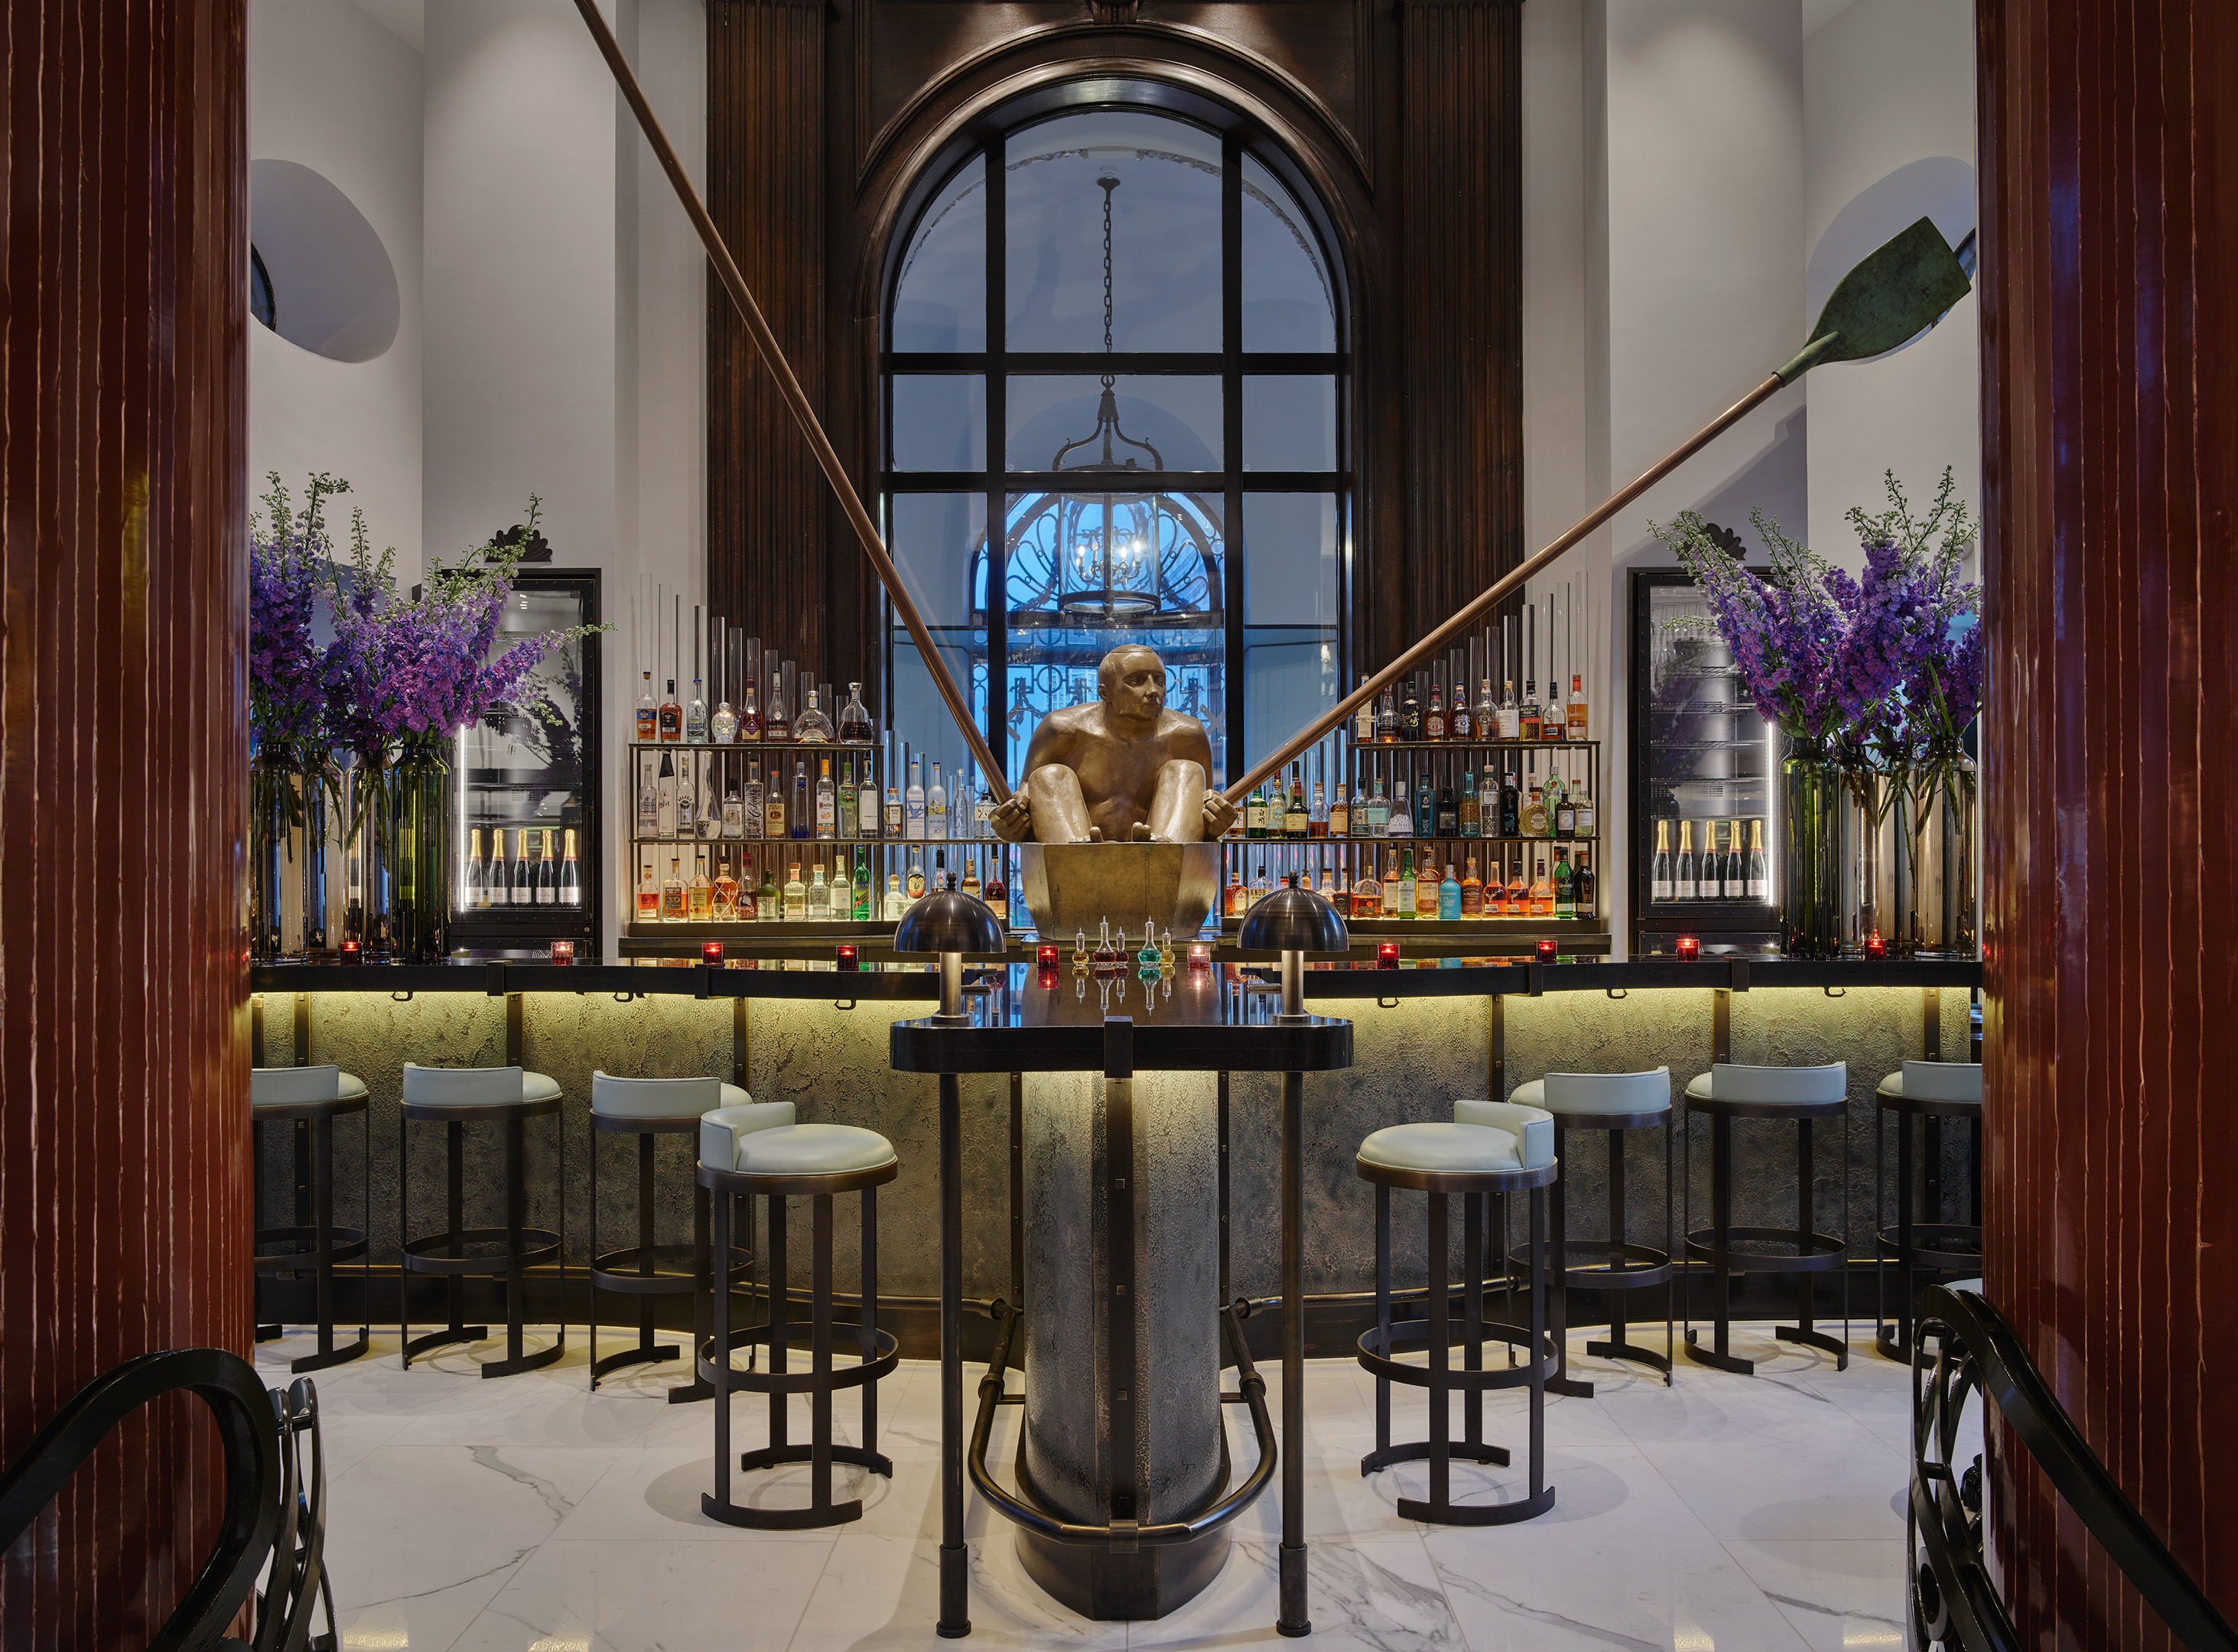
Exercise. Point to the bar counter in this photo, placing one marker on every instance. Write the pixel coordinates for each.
(795, 1028)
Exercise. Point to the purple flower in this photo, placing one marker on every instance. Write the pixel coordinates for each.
(287, 555)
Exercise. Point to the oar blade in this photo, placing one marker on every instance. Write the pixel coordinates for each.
(1901, 288)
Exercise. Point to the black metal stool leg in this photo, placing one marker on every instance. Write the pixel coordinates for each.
(1720, 1354)
(644, 1212)
(591, 1329)
(517, 1357)
(1559, 1308)
(719, 1358)
(1440, 1351)
(866, 1336)
(1472, 1321)
(263, 1330)
(1382, 1318)
(820, 1408)
(707, 1280)
(780, 1321)
(1542, 1281)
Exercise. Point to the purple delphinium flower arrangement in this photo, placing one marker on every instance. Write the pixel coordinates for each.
(288, 554)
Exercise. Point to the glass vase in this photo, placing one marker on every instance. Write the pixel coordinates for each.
(1866, 795)
(1915, 862)
(312, 866)
(273, 823)
(420, 844)
(1810, 871)
(1961, 809)
(365, 828)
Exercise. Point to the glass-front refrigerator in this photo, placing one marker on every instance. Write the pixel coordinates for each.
(1704, 852)
(530, 860)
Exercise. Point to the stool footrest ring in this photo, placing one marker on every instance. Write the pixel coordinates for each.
(737, 1514)
(1418, 1451)
(1654, 1266)
(540, 1245)
(1380, 1359)
(1815, 1253)
(877, 1365)
(635, 1356)
(1477, 1514)
(676, 1271)
(349, 1244)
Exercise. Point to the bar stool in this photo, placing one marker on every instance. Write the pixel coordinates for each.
(455, 1098)
(1805, 1095)
(648, 1108)
(317, 1096)
(1494, 1147)
(758, 1150)
(1921, 1091)
(1616, 1102)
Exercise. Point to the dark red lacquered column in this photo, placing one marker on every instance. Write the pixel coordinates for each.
(123, 1176)
(2109, 177)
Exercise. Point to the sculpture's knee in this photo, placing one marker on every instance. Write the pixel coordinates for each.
(1181, 775)
(1056, 783)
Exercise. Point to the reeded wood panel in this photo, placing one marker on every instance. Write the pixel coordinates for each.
(124, 1157)
(2110, 165)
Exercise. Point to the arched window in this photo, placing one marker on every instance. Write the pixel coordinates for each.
(1117, 333)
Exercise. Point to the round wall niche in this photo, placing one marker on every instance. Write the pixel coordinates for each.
(332, 288)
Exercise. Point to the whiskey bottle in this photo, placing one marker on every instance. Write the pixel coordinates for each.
(1471, 893)
(1363, 718)
(648, 713)
(971, 884)
(1759, 869)
(1433, 719)
(1295, 819)
(814, 727)
(695, 716)
(672, 892)
(797, 815)
(1586, 889)
(1255, 812)
(1683, 884)
(1317, 814)
(855, 726)
(1577, 706)
(648, 897)
(795, 897)
(1458, 724)
(750, 712)
(827, 805)
(672, 715)
(723, 727)
(1519, 891)
(1339, 823)
(1368, 894)
(472, 896)
(1660, 884)
(1410, 715)
(1530, 719)
(1511, 805)
(699, 894)
(727, 892)
(1425, 889)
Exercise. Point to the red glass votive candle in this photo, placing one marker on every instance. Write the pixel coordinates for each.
(1690, 949)
(1386, 954)
(1546, 951)
(563, 951)
(848, 955)
(710, 952)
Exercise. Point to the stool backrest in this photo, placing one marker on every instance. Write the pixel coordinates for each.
(280, 1086)
(1942, 1082)
(1730, 1082)
(620, 1098)
(1532, 1127)
(1609, 1091)
(721, 1131)
(460, 1086)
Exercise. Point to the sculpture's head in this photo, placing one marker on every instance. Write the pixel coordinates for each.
(1132, 682)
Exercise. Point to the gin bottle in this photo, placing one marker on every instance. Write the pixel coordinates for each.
(819, 897)
(795, 897)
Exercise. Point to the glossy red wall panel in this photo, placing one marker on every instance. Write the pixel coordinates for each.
(124, 1181)
(2110, 177)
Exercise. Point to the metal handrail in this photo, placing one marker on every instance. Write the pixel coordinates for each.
(1953, 1599)
(1251, 1393)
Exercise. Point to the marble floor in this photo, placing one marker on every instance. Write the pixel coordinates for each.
(526, 1515)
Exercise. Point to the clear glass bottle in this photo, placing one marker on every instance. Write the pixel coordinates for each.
(913, 885)
(1363, 718)
(1083, 959)
(648, 805)
(1399, 889)
(936, 806)
(734, 815)
(897, 902)
(1487, 713)
(672, 892)
(749, 898)
(819, 897)
(695, 714)
(1146, 955)
(1399, 821)
(1368, 891)
(847, 799)
(664, 797)
(983, 813)
(1317, 814)
(1425, 889)
(727, 892)
(795, 897)
(687, 797)
(1386, 718)
(699, 897)
(671, 714)
(1660, 884)
(856, 728)
(797, 816)
(1581, 807)
(827, 805)
(1510, 715)
(775, 724)
(1542, 891)
(913, 803)
(750, 711)
(997, 893)
(755, 800)
(648, 712)
(813, 728)
(723, 727)
(648, 897)
(1107, 956)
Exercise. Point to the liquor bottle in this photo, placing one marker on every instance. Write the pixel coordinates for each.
(648, 804)
(1449, 818)
(1660, 884)
(1367, 893)
(1535, 811)
(1682, 869)
(1566, 817)
(750, 711)
(936, 806)
(1296, 820)
(748, 908)
(734, 815)
(1510, 723)
(858, 906)
(1737, 868)
(1577, 706)
(699, 895)
(982, 812)
(1425, 889)
(1255, 812)
(1565, 893)
(1395, 889)
(913, 885)
(695, 716)
(663, 798)
(672, 715)
(1581, 805)
(913, 803)
(1511, 805)
(1487, 713)
(1339, 823)
(1712, 877)
(1530, 719)
(1449, 896)
(1555, 789)
(1759, 869)
(797, 816)
(1433, 719)
(687, 797)
(726, 892)
(524, 888)
(1387, 719)
(1261, 885)
(755, 803)
(1426, 806)
(1458, 724)
(971, 884)
(997, 893)
(1107, 956)
(819, 897)
(1363, 719)
(723, 727)
(769, 900)
(497, 877)
(1472, 892)
(827, 805)
(648, 897)
(1317, 814)
(812, 727)
(856, 728)
(1542, 891)
(775, 724)
(547, 870)
(847, 799)
(1398, 822)
(1585, 890)
(897, 902)
(648, 713)
(671, 892)
(1468, 821)
(1518, 892)
(1233, 898)
(1146, 955)
(1328, 890)
(476, 896)
(795, 897)
(1410, 715)
(893, 811)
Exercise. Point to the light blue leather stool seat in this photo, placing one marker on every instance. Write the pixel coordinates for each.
(288, 1086)
(760, 1138)
(621, 1097)
(474, 1086)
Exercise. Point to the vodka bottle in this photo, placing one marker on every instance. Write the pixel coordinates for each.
(648, 805)
(913, 803)
(847, 800)
(827, 805)
(855, 726)
(819, 897)
(734, 815)
(687, 797)
(665, 798)
(936, 806)
(648, 712)
(797, 816)
(753, 802)
(983, 813)
(723, 728)
(813, 728)
(695, 716)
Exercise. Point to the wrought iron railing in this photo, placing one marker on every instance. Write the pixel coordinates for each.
(1954, 1600)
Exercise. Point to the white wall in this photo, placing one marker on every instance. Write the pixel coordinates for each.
(330, 89)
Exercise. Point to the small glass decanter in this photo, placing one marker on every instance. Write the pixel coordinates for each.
(855, 726)
(812, 727)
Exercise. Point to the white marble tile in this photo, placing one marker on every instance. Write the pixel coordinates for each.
(882, 1591)
(1379, 1591)
(653, 1597)
(1838, 1594)
(420, 1537)
(1830, 1478)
